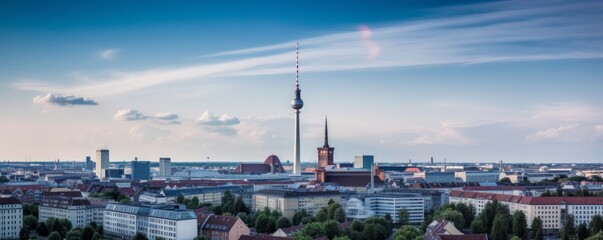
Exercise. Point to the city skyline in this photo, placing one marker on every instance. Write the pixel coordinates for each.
(505, 80)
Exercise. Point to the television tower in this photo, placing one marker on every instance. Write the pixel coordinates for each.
(297, 104)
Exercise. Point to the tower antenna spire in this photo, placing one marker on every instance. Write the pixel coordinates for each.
(326, 133)
(297, 65)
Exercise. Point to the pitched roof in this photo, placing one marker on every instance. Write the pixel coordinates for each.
(291, 230)
(529, 200)
(263, 237)
(464, 237)
(216, 222)
(9, 200)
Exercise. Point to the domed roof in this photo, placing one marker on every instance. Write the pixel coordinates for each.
(272, 159)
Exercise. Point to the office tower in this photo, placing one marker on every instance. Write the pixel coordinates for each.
(102, 162)
(141, 169)
(297, 104)
(165, 167)
(364, 161)
(89, 164)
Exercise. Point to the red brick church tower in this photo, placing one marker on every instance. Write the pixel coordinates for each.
(325, 153)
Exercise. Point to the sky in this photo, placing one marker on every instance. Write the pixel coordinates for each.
(469, 81)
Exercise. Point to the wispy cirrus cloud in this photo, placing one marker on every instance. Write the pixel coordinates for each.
(134, 115)
(470, 34)
(109, 54)
(57, 100)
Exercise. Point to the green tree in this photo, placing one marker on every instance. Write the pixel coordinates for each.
(375, 231)
(342, 238)
(477, 226)
(568, 229)
(407, 233)
(88, 232)
(331, 201)
(180, 199)
(73, 234)
(520, 225)
(54, 236)
(505, 180)
(283, 222)
(30, 209)
(322, 215)
(546, 193)
(201, 237)
(239, 206)
(261, 224)
(125, 201)
(595, 225)
(536, 233)
(307, 220)
(403, 217)
(454, 216)
(24, 233)
(3, 179)
(468, 213)
(332, 229)
(140, 236)
(42, 229)
(30, 222)
(357, 226)
(193, 203)
(339, 215)
(313, 230)
(515, 238)
(331, 210)
(582, 231)
(488, 213)
(97, 236)
(559, 191)
(499, 231)
(298, 216)
(596, 178)
(598, 236)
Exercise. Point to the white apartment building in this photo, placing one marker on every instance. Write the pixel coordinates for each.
(102, 162)
(11, 217)
(80, 211)
(382, 204)
(169, 221)
(552, 210)
(289, 201)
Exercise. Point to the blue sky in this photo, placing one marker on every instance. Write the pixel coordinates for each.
(474, 81)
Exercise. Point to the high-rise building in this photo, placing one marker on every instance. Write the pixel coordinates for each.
(364, 161)
(165, 167)
(297, 104)
(325, 153)
(89, 163)
(102, 162)
(141, 169)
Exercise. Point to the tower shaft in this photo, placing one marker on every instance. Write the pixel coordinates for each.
(296, 147)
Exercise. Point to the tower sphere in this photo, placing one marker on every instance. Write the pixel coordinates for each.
(297, 103)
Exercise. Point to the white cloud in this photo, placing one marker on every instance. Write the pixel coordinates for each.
(129, 115)
(63, 100)
(547, 30)
(109, 54)
(166, 118)
(148, 133)
(556, 133)
(222, 125)
(446, 134)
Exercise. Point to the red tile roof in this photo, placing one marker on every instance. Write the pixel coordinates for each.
(216, 222)
(529, 200)
(263, 237)
(464, 237)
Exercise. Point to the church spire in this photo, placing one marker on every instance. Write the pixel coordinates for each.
(326, 134)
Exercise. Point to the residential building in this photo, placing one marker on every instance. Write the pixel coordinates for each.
(436, 177)
(80, 211)
(272, 164)
(478, 176)
(364, 161)
(383, 204)
(114, 172)
(552, 210)
(141, 169)
(211, 194)
(11, 220)
(165, 167)
(218, 227)
(102, 162)
(289, 201)
(168, 221)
